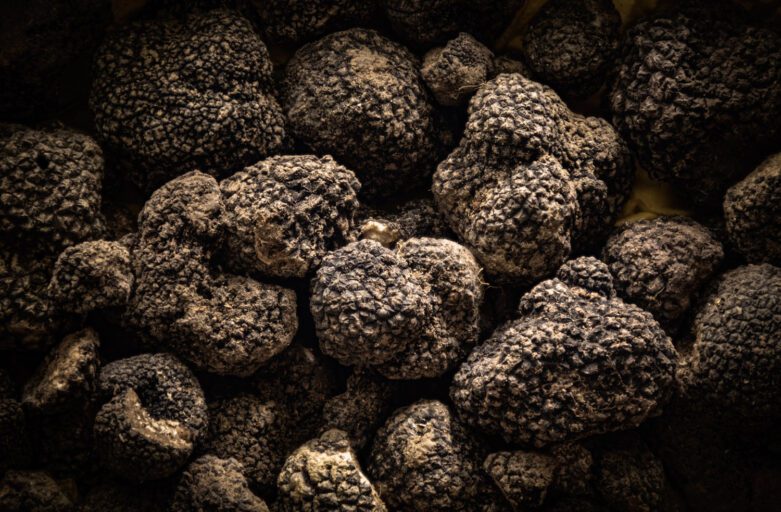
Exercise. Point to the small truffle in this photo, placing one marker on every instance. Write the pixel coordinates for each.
(752, 211)
(570, 45)
(424, 459)
(155, 414)
(324, 475)
(285, 213)
(523, 477)
(92, 276)
(211, 484)
(411, 313)
(531, 181)
(455, 71)
(174, 94)
(575, 363)
(33, 491)
(631, 478)
(659, 264)
(359, 97)
(693, 100)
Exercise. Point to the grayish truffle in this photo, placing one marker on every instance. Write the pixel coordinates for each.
(575, 363)
(570, 45)
(752, 211)
(531, 181)
(424, 459)
(92, 276)
(285, 213)
(222, 323)
(212, 484)
(659, 264)
(454, 72)
(194, 92)
(412, 313)
(33, 491)
(324, 475)
(359, 97)
(154, 416)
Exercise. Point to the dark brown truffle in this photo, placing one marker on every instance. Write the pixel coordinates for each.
(454, 72)
(214, 484)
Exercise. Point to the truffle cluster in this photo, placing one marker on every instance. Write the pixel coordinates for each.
(390, 255)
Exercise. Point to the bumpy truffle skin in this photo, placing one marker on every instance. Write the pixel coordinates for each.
(752, 211)
(736, 356)
(202, 102)
(295, 21)
(251, 431)
(427, 22)
(212, 484)
(411, 219)
(359, 97)
(424, 459)
(412, 313)
(324, 475)
(91, 276)
(659, 264)
(285, 213)
(631, 478)
(50, 183)
(574, 364)
(523, 477)
(570, 45)
(34, 491)
(683, 78)
(156, 413)
(455, 71)
(222, 323)
(531, 181)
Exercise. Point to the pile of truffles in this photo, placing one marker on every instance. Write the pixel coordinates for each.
(390, 256)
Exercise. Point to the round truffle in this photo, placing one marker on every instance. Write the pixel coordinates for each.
(173, 94)
(32, 490)
(359, 97)
(454, 72)
(214, 484)
(686, 75)
(530, 180)
(752, 211)
(570, 45)
(156, 413)
(324, 475)
(575, 363)
(424, 459)
(659, 264)
(285, 213)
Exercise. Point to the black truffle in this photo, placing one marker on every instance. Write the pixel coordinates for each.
(323, 475)
(33, 491)
(411, 219)
(285, 213)
(359, 97)
(570, 45)
(694, 101)
(531, 181)
(659, 264)
(14, 441)
(412, 313)
(454, 72)
(752, 212)
(194, 92)
(214, 484)
(155, 415)
(523, 477)
(574, 364)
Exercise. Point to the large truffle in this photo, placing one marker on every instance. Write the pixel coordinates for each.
(194, 92)
(659, 264)
(570, 45)
(412, 312)
(427, 22)
(695, 103)
(222, 323)
(324, 475)
(454, 72)
(575, 363)
(531, 181)
(285, 213)
(752, 213)
(424, 459)
(359, 97)
(154, 416)
(214, 484)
